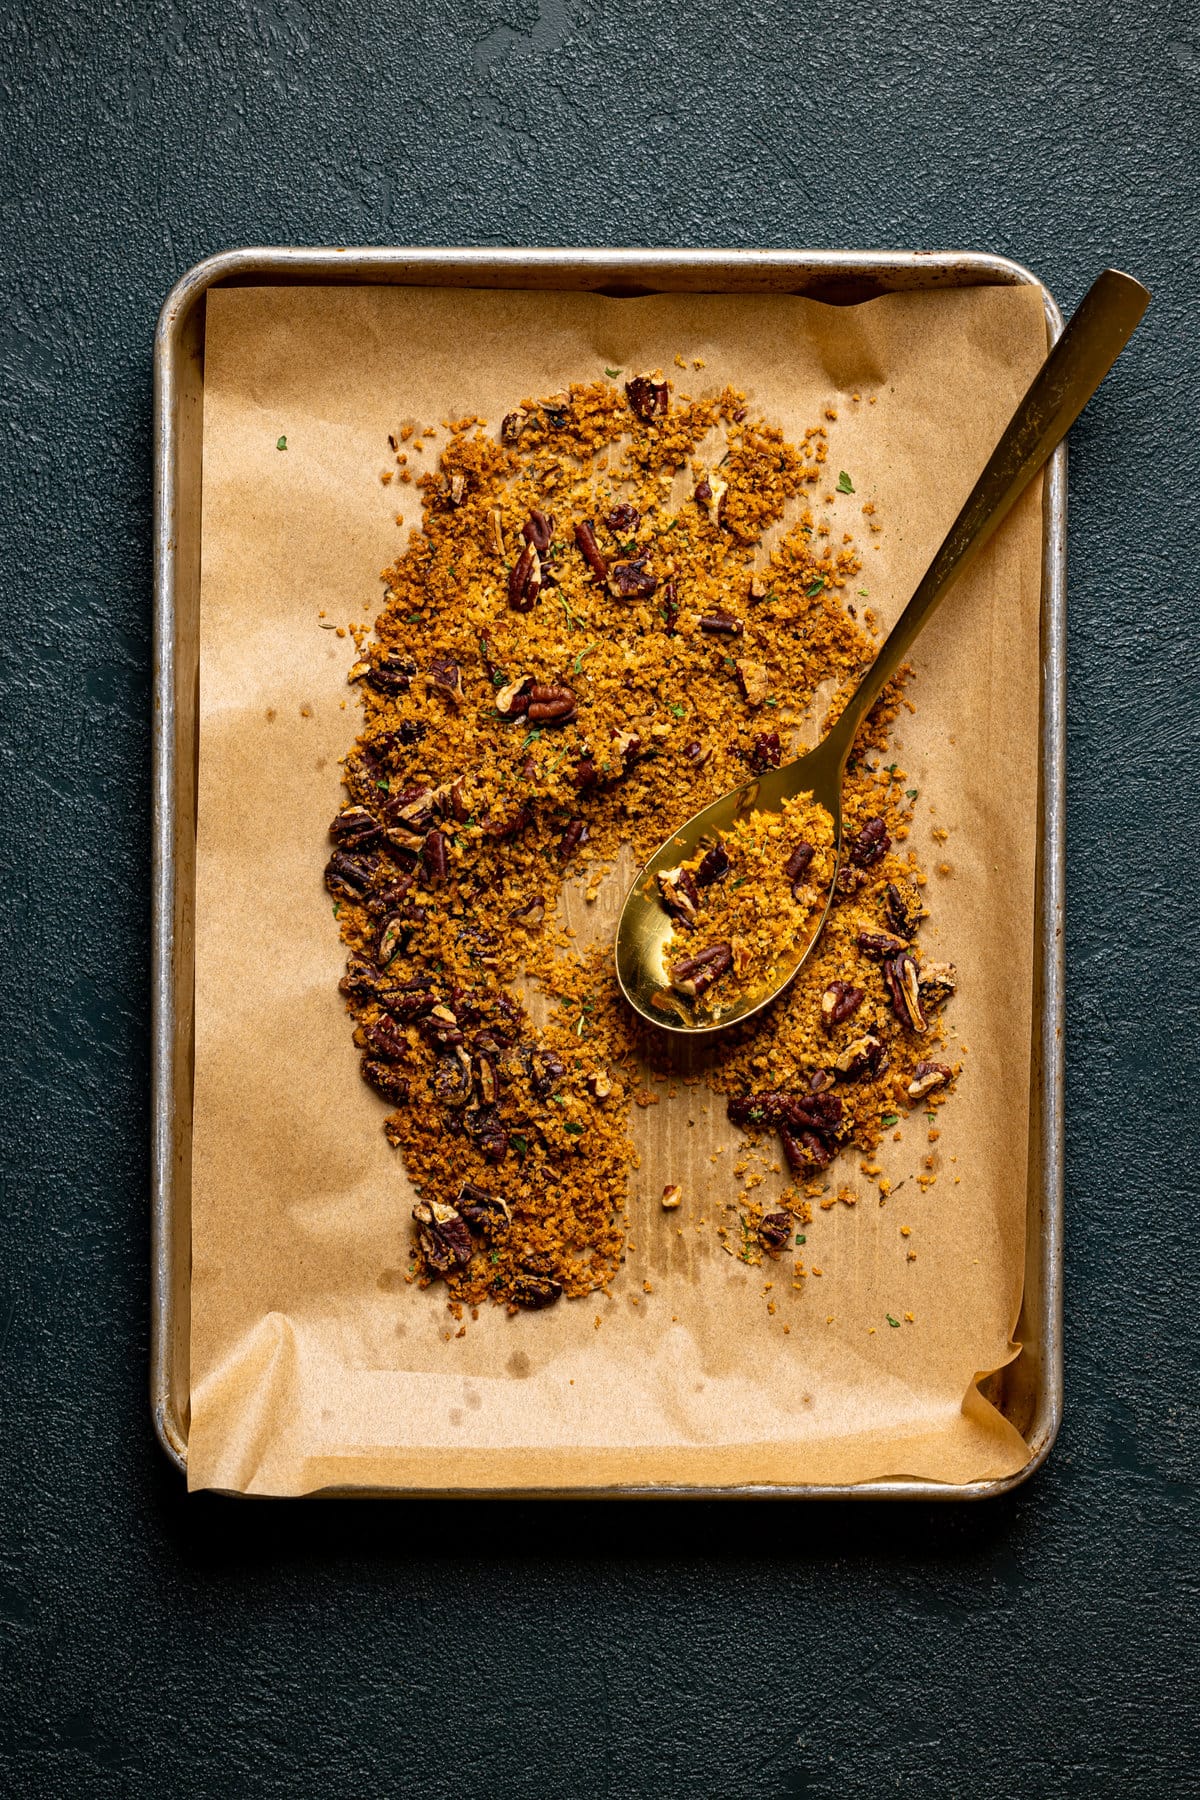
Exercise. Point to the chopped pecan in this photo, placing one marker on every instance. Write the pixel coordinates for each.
(485, 1213)
(796, 866)
(937, 981)
(440, 1025)
(805, 1149)
(712, 865)
(694, 975)
(515, 823)
(925, 1077)
(551, 704)
(679, 894)
(670, 608)
(571, 839)
(496, 522)
(696, 753)
(838, 1002)
(849, 879)
(903, 908)
(879, 944)
(538, 530)
(386, 1080)
(546, 1070)
(411, 808)
(443, 1236)
(384, 1038)
(600, 1085)
(648, 395)
(759, 589)
(391, 672)
(720, 623)
(821, 1080)
(754, 679)
(362, 981)
(409, 1001)
(512, 701)
(710, 493)
(623, 520)
(512, 425)
(672, 1194)
(433, 855)
(525, 580)
(871, 844)
(900, 974)
(532, 1291)
(555, 408)
(483, 1127)
(531, 914)
(774, 1232)
(355, 828)
(865, 1056)
(628, 746)
(589, 549)
(348, 877)
(634, 580)
(454, 488)
(446, 678)
(766, 752)
(452, 1080)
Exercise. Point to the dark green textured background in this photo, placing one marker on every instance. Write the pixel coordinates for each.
(152, 1645)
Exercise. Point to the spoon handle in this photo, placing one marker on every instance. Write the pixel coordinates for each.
(1093, 339)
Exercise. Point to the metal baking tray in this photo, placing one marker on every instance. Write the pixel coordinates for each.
(1029, 1391)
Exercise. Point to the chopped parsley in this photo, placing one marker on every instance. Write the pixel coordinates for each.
(281, 443)
(894, 1323)
(679, 712)
(612, 373)
(890, 1119)
(913, 792)
(816, 587)
(578, 663)
(845, 485)
(800, 1238)
(573, 1126)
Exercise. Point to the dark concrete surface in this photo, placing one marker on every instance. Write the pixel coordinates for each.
(152, 1645)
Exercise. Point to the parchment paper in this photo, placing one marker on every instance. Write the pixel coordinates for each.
(313, 1364)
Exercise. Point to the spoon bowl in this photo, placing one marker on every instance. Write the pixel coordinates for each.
(1089, 345)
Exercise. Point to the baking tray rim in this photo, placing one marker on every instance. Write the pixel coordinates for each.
(655, 270)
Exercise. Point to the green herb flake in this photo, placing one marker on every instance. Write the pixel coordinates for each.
(521, 1146)
(385, 784)
(573, 1126)
(281, 443)
(845, 485)
(890, 1119)
(800, 1238)
(532, 737)
(578, 663)
(913, 792)
(816, 587)
(494, 1257)
(931, 1117)
(337, 909)
(679, 712)
(894, 1323)
(863, 594)
(740, 882)
(613, 373)
(415, 618)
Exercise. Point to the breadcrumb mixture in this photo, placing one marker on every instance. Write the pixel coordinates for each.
(615, 609)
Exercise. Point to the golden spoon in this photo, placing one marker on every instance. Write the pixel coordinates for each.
(1074, 369)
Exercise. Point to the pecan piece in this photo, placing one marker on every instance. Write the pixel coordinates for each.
(712, 865)
(879, 944)
(694, 975)
(937, 981)
(754, 679)
(511, 827)
(362, 981)
(433, 855)
(575, 835)
(648, 396)
(600, 1085)
(903, 985)
(384, 1039)
(452, 1081)
(710, 494)
(759, 589)
(679, 894)
(348, 877)
(871, 844)
(531, 914)
(532, 1291)
(589, 549)
(628, 746)
(482, 1125)
(903, 908)
(391, 672)
(485, 1213)
(409, 1001)
(696, 753)
(538, 530)
(512, 425)
(720, 623)
(838, 1002)
(440, 1025)
(551, 704)
(446, 678)
(386, 1080)
(670, 608)
(774, 1232)
(865, 1056)
(525, 580)
(512, 701)
(546, 1070)
(443, 1236)
(796, 866)
(623, 520)
(805, 1149)
(454, 488)
(355, 828)
(634, 580)
(925, 1077)
(766, 752)
(672, 1195)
